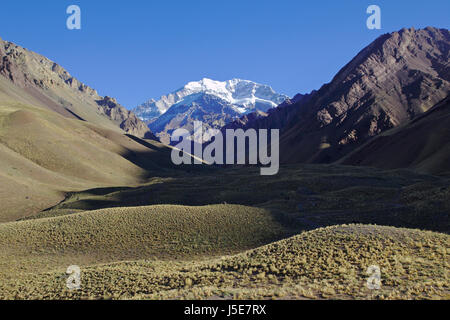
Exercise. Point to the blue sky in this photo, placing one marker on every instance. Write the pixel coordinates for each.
(139, 49)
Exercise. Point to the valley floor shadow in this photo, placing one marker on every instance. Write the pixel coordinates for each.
(301, 197)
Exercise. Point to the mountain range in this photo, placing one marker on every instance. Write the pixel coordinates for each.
(394, 80)
(215, 103)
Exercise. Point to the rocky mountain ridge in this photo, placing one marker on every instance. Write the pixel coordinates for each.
(51, 86)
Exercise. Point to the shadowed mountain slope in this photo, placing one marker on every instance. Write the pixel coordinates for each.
(43, 154)
(422, 144)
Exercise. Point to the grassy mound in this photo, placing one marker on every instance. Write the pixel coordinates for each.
(324, 263)
(117, 234)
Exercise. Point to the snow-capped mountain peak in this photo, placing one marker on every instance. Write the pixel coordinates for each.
(246, 96)
(218, 102)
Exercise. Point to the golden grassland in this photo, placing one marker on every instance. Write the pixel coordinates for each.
(170, 239)
(212, 235)
(116, 234)
(326, 263)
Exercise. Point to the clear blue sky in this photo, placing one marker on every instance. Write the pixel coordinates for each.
(139, 49)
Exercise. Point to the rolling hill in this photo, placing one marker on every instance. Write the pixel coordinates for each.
(326, 263)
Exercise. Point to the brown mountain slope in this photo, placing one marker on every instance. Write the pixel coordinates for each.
(394, 79)
(44, 154)
(397, 77)
(422, 144)
(42, 82)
